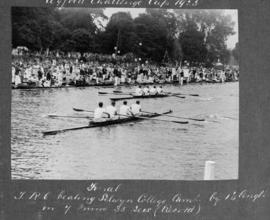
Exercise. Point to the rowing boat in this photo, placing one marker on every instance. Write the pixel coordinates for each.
(126, 120)
(93, 124)
(141, 97)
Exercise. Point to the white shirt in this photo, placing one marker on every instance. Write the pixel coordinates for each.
(186, 72)
(173, 71)
(159, 90)
(111, 110)
(124, 110)
(139, 91)
(99, 113)
(146, 91)
(153, 91)
(13, 74)
(28, 73)
(17, 80)
(136, 109)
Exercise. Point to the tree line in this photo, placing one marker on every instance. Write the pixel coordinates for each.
(158, 35)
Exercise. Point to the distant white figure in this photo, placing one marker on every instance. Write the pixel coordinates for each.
(136, 108)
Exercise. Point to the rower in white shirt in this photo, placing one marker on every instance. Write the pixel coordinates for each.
(111, 110)
(146, 90)
(125, 110)
(153, 90)
(139, 91)
(99, 113)
(136, 108)
(160, 90)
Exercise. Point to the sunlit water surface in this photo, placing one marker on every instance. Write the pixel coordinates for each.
(142, 150)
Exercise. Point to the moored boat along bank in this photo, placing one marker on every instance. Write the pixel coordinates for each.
(107, 84)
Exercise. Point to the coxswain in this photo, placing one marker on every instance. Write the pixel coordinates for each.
(111, 110)
(100, 113)
(139, 91)
(136, 108)
(153, 90)
(146, 90)
(125, 110)
(160, 90)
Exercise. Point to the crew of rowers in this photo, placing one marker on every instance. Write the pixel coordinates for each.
(110, 112)
(148, 91)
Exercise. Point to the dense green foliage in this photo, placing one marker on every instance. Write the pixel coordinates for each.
(195, 36)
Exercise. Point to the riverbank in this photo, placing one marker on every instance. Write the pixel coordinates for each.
(111, 84)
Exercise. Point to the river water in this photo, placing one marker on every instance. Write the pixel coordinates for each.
(143, 150)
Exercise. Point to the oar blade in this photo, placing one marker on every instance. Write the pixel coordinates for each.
(78, 110)
(81, 110)
(102, 93)
(51, 116)
(47, 133)
(180, 122)
(181, 97)
(194, 119)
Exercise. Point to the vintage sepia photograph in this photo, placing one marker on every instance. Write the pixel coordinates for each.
(124, 93)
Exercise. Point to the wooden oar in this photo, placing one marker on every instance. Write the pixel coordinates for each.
(68, 116)
(63, 130)
(154, 119)
(194, 119)
(177, 96)
(190, 94)
(81, 110)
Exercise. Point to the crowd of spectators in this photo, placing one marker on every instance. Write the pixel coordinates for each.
(55, 70)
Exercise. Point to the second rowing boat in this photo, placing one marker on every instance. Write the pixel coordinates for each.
(145, 96)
